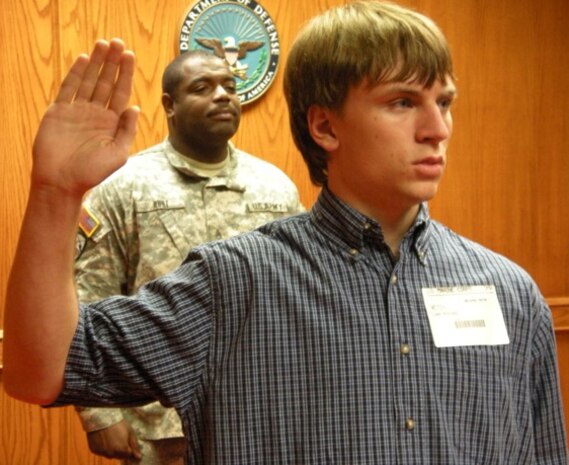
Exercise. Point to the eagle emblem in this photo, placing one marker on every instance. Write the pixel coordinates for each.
(230, 51)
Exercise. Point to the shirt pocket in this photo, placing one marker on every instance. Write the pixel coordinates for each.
(483, 394)
(163, 231)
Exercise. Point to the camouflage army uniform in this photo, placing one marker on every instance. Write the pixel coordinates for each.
(141, 222)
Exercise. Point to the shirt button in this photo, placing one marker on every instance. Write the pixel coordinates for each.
(354, 252)
(367, 226)
(393, 279)
(409, 424)
(405, 349)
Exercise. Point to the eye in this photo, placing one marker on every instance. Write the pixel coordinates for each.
(445, 103)
(402, 103)
(230, 87)
(199, 88)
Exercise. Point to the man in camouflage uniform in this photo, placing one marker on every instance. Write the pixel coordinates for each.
(138, 225)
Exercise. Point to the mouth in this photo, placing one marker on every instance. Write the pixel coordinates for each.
(430, 167)
(431, 160)
(224, 114)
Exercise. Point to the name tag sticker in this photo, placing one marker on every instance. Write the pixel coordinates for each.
(465, 316)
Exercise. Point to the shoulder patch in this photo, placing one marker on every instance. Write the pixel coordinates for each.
(88, 222)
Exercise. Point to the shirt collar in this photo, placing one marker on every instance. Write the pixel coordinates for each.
(349, 228)
(226, 177)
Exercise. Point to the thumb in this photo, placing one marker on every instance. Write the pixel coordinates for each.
(134, 446)
(126, 129)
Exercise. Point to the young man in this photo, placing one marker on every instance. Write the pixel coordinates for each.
(362, 332)
(142, 221)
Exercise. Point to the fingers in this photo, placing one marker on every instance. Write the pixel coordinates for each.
(103, 57)
(108, 85)
(94, 78)
(72, 81)
(123, 84)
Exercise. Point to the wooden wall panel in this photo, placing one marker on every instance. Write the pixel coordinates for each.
(508, 175)
(507, 181)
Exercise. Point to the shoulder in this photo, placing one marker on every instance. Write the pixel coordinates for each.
(245, 266)
(454, 260)
(141, 161)
(253, 167)
(472, 257)
(279, 237)
(146, 169)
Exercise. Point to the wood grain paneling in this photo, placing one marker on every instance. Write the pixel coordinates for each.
(508, 177)
(506, 186)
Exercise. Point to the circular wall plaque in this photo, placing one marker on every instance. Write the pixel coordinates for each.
(239, 31)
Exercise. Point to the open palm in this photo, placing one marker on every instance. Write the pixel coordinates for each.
(86, 133)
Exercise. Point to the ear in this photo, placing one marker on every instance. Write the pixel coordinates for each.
(168, 104)
(321, 128)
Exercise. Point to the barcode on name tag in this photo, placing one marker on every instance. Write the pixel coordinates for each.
(459, 324)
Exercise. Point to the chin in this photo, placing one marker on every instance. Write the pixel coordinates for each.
(429, 193)
(226, 130)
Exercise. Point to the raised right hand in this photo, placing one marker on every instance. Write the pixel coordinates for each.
(118, 441)
(86, 133)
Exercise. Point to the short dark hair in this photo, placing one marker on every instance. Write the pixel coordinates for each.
(173, 74)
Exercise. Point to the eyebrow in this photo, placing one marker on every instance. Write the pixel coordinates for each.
(212, 78)
(413, 89)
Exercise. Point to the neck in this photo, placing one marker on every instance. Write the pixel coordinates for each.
(211, 153)
(395, 220)
(395, 228)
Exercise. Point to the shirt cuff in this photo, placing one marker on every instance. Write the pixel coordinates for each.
(94, 419)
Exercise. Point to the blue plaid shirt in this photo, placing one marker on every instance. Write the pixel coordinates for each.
(305, 342)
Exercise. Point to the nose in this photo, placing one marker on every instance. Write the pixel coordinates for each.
(435, 124)
(220, 93)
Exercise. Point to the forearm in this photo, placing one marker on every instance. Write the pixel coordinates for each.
(83, 137)
(41, 305)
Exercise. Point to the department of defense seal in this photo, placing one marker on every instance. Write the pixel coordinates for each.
(242, 33)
